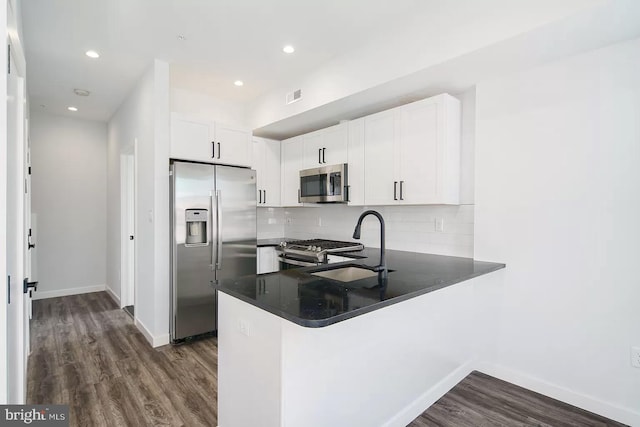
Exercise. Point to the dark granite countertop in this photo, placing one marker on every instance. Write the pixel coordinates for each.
(313, 301)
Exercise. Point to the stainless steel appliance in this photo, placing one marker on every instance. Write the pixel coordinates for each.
(326, 184)
(213, 231)
(305, 253)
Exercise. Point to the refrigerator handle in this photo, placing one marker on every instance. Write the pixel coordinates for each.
(219, 223)
(213, 255)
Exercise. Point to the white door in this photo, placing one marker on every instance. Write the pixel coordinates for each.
(127, 224)
(192, 140)
(16, 313)
(334, 144)
(271, 174)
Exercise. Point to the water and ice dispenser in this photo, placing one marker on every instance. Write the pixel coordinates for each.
(196, 222)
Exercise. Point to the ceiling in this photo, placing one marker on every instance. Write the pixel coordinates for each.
(224, 40)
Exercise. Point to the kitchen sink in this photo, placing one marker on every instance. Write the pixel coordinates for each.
(347, 274)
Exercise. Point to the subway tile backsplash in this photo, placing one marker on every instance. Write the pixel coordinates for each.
(408, 228)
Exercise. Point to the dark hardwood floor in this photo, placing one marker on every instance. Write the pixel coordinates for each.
(481, 401)
(87, 353)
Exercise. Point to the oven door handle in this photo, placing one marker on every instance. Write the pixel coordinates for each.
(296, 262)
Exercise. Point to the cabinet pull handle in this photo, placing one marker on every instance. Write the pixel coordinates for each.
(319, 155)
(213, 149)
(265, 196)
(259, 196)
(395, 190)
(323, 161)
(401, 182)
(218, 150)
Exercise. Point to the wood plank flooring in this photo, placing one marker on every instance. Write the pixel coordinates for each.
(87, 353)
(481, 401)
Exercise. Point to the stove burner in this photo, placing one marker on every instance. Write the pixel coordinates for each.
(317, 249)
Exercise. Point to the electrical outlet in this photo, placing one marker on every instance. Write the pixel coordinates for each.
(243, 327)
(439, 225)
(319, 222)
(635, 357)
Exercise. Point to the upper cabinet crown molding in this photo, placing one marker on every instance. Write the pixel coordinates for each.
(208, 141)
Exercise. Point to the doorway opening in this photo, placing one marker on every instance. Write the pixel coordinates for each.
(128, 215)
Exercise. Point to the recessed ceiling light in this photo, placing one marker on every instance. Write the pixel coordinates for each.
(72, 108)
(81, 92)
(238, 83)
(181, 37)
(288, 49)
(92, 54)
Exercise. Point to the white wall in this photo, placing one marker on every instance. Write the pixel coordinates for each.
(558, 200)
(144, 116)
(69, 182)
(448, 31)
(199, 105)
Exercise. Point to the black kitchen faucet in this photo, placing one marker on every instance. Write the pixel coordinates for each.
(382, 267)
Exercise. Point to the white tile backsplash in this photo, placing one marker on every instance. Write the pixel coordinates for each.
(408, 228)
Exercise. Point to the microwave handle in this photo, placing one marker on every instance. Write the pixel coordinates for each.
(299, 200)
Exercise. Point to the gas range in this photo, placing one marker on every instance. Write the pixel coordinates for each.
(313, 251)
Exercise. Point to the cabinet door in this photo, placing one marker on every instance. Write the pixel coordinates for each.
(232, 145)
(420, 157)
(271, 174)
(267, 260)
(380, 134)
(313, 143)
(355, 159)
(258, 163)
(334, 144)
(191, 139)
(292, 152)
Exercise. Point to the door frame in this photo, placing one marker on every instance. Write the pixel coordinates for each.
(127, 228)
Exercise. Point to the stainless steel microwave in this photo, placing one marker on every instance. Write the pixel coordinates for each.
(327, 184)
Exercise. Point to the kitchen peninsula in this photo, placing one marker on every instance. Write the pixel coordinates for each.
(298, 349)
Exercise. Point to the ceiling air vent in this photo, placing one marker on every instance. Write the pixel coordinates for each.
(294, 96)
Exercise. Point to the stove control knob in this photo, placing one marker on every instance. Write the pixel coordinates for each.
(283, 244)
(318, 248)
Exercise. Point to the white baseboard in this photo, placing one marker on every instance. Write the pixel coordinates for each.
(68, 291)
(113, 295)
(588, 403)
(428, 398)
(154, 341)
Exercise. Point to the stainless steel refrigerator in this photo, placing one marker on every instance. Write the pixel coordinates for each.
(213, 229)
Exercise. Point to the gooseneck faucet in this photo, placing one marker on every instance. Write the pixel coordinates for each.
(382, 268)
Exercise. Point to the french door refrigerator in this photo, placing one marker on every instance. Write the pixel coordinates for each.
(213, 232)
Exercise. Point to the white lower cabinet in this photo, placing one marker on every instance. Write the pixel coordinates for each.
(267, 260)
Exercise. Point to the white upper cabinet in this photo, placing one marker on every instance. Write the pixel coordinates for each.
(355, 160)
(381, 136)
(208, 141)
(326, 146)
(412, 153)
(266, 162)
(292, 150)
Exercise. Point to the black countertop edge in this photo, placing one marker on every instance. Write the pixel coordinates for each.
(319, 323)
